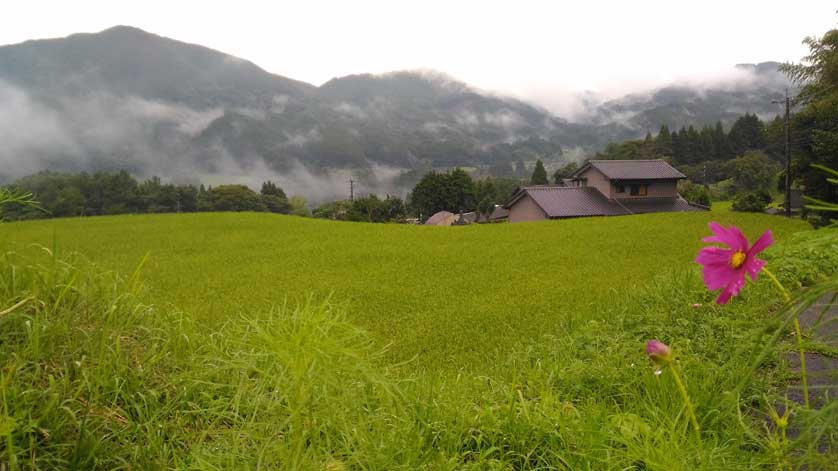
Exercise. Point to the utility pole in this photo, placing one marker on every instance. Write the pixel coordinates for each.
(787, 102)
(351, 190)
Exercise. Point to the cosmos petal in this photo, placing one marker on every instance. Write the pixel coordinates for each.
(715, 278)
(742, 241)
(753, 267)
(713, 256)
(764, 241)
(732, 289)
(720, 235)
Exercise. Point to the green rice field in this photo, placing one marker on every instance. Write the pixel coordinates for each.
(245, 340)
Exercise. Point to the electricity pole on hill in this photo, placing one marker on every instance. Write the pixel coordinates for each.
(787, 102)
(351, 190)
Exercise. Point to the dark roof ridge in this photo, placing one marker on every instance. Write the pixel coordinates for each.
(627, 160)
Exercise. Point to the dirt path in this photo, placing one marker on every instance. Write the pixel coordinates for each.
(819, 322)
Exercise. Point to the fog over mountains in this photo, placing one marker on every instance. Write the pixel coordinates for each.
(128, 99)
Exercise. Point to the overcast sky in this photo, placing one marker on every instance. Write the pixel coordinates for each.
(523, 47)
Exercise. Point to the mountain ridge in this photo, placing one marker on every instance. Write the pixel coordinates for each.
(127, 98)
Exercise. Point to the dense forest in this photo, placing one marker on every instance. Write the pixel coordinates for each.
(107, 193)
(710, 148)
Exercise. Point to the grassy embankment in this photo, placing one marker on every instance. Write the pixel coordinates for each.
(507, 345)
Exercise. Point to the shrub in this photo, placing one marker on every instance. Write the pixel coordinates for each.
(752, 202)
(694, 193)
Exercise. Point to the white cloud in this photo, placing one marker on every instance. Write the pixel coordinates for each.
(597, 45)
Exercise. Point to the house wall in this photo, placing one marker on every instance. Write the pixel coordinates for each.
(655, 189)
(525, 209)
(599, 181)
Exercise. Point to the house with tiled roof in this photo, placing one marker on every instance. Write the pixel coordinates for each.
(604, 188)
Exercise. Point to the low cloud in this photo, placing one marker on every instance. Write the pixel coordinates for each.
(107, 132)
(583, 106)
(350, 110)
(304, 138)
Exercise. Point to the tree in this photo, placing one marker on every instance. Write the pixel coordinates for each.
(451, 191)
(753, 171)
(270, 188)
(187, 198)
(539, 174)
(70, 202)
(234, 198)
(336, 210)
(663, 141)
(367, 209)
(374, 209)
(299, 206)
(721, 145)
(747, 133)
(565, 172)
(276, 204)
(814, 129)
(274, 198)
(461, 188)
(394, 208)
(485, 208)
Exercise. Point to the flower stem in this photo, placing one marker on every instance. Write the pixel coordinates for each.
(683, 390)
(777, 283)
(798, 334)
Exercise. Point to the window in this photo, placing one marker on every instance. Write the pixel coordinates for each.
(639, 190)
(620, 188)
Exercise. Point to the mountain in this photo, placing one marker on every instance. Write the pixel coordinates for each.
(131, 62)
(124, 98)
(127, 99)
(750, 89)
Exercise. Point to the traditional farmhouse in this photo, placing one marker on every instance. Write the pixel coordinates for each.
(604, 188)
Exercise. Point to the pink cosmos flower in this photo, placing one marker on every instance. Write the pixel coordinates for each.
(659, 352)
(726, 267)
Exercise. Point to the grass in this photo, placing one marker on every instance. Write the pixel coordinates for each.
(288, 343)
(433, 293)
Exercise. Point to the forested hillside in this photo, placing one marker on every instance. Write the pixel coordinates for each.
(125, 99)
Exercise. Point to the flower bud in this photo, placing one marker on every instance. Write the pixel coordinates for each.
(659, 352)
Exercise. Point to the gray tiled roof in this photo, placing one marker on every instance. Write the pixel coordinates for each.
(566, 202)
(635, 169)
(499, 213)
(580, 201)
(658, 205)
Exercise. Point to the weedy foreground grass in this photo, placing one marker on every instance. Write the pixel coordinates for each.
(97, 373)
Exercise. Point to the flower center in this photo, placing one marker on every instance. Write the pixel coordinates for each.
(737, 259)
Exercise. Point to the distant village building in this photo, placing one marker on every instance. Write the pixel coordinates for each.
(446, 218)
(603, 188)
(441, 218)
(498, 214)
